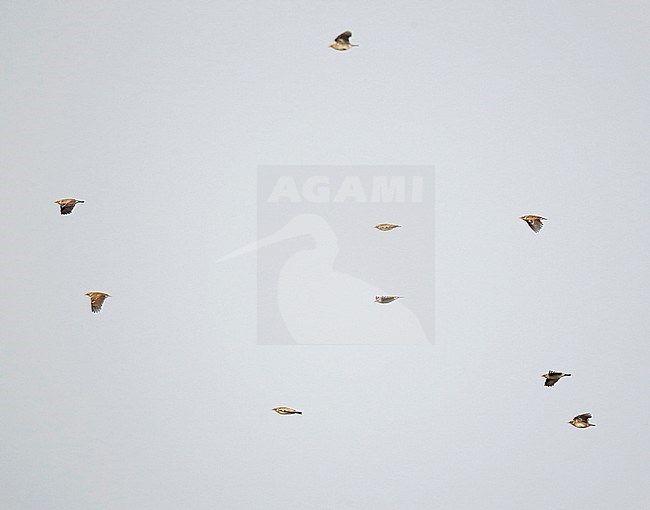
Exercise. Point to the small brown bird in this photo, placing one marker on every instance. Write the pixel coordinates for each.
(67, 204)
(534, 222)
(386, 299)
(96, 300)
(582, 421)
(286, 410)
(553, 377)
(342, 42)
(385, 227)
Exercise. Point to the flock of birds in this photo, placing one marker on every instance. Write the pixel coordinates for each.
(342, 43)
(96, 298)
(551, 377)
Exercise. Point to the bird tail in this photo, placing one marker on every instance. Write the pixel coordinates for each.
(354, 45)
(567, 375)
(298, 412)
(81, 201)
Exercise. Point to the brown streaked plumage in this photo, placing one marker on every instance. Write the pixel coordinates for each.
(553, 377)
(67, 204)
(534, 222)
(286, 410)
(582, 421)
(386, 299)
(96, 300)
(342, 42)
(385, 227)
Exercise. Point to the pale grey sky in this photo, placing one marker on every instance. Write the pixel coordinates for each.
(158, 114)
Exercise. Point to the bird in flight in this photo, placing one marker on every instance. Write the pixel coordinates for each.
(385, 227)
(553, 377)
(342, 42)
(582, 421)
(534, 222)
(286, 410)
(386, 299)
(96, 300)
(67, 204)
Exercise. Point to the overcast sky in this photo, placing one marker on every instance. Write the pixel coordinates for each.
(159, 114)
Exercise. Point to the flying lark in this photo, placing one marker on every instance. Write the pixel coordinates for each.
(67, 204)
(96, 300)
(386, 299)
(582, 421)
(342, 42)
(286, 410)
(385, 227)
(553, 377)
(534, 222)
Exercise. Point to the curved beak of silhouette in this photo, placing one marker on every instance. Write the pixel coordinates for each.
(312, 225)
(284, 233)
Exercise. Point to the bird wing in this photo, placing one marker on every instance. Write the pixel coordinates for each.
(535, 224)
(552, 372)
(96, 302)
(583, 417)
(67, 206)
(550, 382)
(344, 38)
